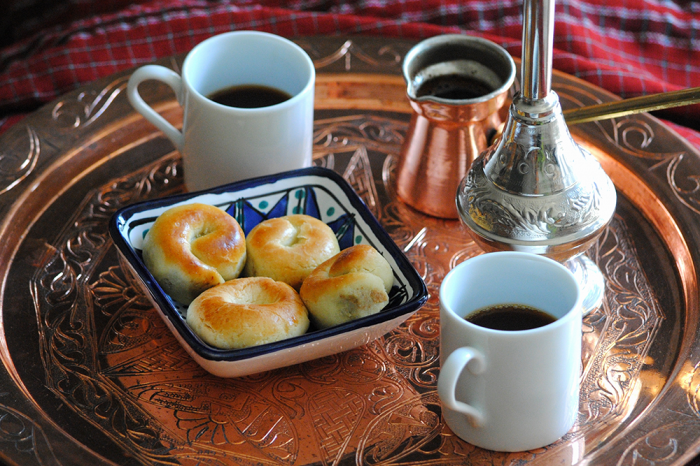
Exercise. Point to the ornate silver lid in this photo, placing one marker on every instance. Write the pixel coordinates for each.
(536, 189)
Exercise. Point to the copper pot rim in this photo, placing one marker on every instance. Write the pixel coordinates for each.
(497, 52)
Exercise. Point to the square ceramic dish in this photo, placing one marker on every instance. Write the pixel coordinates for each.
(315, 191)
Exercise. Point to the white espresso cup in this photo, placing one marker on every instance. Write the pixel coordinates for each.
(219, 143)
(510, 390)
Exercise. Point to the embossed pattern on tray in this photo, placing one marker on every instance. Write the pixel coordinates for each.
(93, 376)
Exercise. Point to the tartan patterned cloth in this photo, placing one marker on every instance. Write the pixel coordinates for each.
(629, 47)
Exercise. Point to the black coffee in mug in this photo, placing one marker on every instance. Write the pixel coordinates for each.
(249, 96)
(510, 317)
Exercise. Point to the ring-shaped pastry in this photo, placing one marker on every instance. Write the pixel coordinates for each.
(190, 248)
(247, 312)
(289, 248)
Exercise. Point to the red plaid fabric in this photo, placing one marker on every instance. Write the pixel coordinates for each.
(629, 47)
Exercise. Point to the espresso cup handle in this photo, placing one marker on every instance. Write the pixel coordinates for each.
(449, 374)
(169, 77)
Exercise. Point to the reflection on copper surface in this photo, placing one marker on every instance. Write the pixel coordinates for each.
(15, 167)
(652, 207)
(87, 106)
(327, 408)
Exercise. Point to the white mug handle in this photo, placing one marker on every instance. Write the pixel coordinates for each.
(449, 374)
(169, 77)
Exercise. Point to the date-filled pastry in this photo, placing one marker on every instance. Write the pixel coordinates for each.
(355, 283)
(247, 312)
(288, 248)
(193, 247)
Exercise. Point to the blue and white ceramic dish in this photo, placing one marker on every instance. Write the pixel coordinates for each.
(318, 192)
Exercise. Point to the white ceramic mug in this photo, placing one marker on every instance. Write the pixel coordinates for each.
(222, 144)
(510, 390)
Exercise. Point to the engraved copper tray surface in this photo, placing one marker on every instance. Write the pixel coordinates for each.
(91, 375)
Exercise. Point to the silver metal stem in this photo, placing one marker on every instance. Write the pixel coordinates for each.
(538, 42)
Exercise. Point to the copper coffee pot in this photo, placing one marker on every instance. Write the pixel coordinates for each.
(452, 121)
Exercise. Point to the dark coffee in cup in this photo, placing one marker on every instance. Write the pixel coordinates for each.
(249, 96)
(510, 317)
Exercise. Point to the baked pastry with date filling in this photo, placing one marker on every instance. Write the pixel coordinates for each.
(353, 284)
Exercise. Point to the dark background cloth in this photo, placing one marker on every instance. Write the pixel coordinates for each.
(628, 47)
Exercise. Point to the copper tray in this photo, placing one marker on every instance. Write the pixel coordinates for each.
(92, 376)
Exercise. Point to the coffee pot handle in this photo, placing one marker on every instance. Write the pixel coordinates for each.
(169, 77)
(456, 362)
